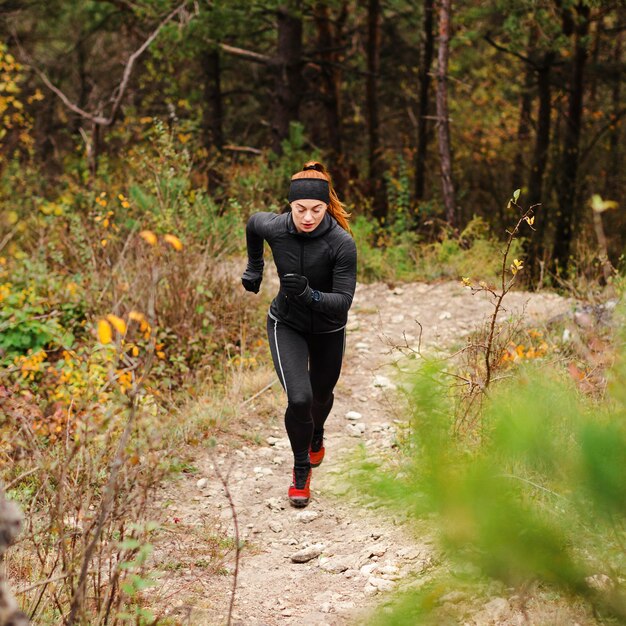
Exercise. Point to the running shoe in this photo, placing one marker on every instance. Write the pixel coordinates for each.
(299, 491)
(316, 451)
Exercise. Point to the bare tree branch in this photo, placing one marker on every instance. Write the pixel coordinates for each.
(120, 90)
(249, 55)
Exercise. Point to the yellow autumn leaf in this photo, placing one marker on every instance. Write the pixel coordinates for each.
(105, 334)
(599, 205)
(118, 323)
(136, 316)
(149, 237)
(174, 241)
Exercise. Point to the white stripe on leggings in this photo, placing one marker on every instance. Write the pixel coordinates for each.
(282, 373)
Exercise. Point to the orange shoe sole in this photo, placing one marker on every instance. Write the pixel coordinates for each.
(316, 457)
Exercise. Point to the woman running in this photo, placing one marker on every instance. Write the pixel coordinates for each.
(315, 256)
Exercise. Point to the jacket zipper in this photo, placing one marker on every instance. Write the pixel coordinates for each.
(302, 274)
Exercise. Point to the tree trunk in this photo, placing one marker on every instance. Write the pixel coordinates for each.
(536, 246)
(428, 47)
(331, 75)
(373, 68)
(288, 83)
(523, 126)
(542, 136)
(567, 218)
(612, 186)
(443, 126)
(212, 133)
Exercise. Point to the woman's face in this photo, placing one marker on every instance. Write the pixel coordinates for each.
(307, 214)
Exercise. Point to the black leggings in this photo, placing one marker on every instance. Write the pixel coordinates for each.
(308, 367)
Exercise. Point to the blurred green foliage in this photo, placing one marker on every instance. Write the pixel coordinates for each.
(539, 496)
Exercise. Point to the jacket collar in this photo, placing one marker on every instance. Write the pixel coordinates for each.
(328, 222)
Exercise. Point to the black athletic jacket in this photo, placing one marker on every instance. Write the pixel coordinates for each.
(326, 256)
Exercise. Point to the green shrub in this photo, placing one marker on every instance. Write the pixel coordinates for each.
(540, 497)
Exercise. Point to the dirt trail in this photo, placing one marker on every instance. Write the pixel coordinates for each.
(363, 552)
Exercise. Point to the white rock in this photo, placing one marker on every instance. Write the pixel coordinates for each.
(445, 315)
(307, 516)
(327, 607)
(382, 584)
(497, 609)
(370, 590)
(278, 460)
(275, 504)
(283, 444)
(272, 441)
(601, 582)
(336, 564)
(453, 597)
(383, 381)
(355, 430)
(389, 570)
(375, 551)
(398, 291)
(276, 527)
(350, 573)
(396, 319)
(353, 415)
(263, 471)
(307, 554)
(361, 345)
(202, 483)
(368, 569)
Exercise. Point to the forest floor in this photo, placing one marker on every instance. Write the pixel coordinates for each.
(355, 552)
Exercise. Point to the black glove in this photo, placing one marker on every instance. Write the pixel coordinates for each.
(294, 284)
(251, 280)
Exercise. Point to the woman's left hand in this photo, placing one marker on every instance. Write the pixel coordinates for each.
(293, 284)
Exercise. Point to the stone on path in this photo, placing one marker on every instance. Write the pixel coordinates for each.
(307, 516)
(202, 483)
(337, 564)
(384, 382)
(307, 554)
(382, 584)
(275, 504)
(275, 527)
(353, 415)
(355, 430)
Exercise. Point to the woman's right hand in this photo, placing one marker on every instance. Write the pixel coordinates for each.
(251, 280)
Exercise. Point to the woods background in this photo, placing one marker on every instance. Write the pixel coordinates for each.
(534, 99)
(138, 136)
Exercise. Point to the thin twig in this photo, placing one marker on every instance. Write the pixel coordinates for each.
(530, 482)
(233, 512)
(258, 393)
